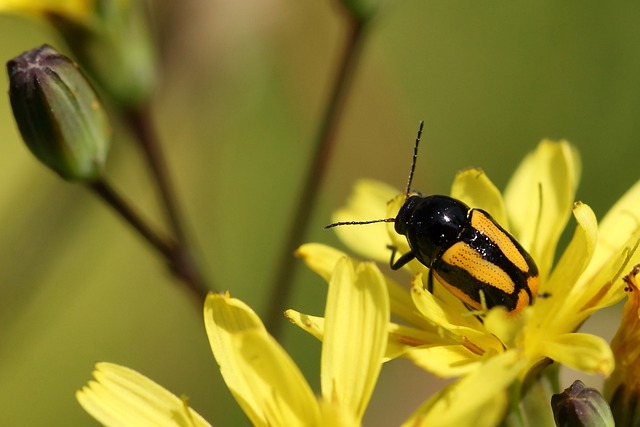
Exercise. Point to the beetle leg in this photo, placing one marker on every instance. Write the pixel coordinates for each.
(400, 262)
(393, 254)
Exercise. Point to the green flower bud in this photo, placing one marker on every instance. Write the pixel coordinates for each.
(58, 114)
(579, 406)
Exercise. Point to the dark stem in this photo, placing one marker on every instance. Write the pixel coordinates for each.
(141, 124)
(168, 248)
(122, 207)
(325, 138)
(183, 263)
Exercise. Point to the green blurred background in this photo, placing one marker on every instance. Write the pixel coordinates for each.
(243, 87)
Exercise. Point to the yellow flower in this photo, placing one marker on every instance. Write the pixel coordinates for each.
(266, 383)
(439, 334)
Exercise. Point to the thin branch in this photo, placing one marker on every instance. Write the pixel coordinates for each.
(168, 248)
(183, 262)
(325, 138)
(141, 124)
(104, 191)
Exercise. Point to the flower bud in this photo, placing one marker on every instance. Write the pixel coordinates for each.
(579, 406)
(58, 114)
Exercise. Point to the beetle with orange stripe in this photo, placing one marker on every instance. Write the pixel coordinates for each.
(466, 250)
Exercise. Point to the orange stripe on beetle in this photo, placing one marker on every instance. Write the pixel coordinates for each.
(480, 220)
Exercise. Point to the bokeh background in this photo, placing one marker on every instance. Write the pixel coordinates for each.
(243, 87)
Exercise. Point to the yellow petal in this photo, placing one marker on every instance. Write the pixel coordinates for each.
(584, 352)
(607, 280)
(320, 258)
(616, 250)
(273, 381)
(336, 416)
(445, 360)
(356, 317)
(312, 324)
(473, 187)
(224, 317)
(477, 400)
(367, 202)
(615, 229)
(402, 338)
(539, 198)
(120, 396)
(559, 310)
(507, 326)
(402, 305)
(452, 321)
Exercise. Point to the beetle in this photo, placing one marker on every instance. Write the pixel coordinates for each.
(466, 250)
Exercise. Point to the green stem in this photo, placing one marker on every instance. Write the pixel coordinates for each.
(325, 138)
(530, 400)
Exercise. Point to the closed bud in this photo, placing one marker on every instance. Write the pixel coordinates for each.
(579, 406)
(59, 114)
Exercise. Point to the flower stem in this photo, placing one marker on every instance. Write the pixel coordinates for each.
(183, 263)
(325, 138)
(139, 121)
(111, 197)
(167, 247)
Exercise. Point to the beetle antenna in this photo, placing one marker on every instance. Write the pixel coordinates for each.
(373, 221)
(413, 168)
(415, 158)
